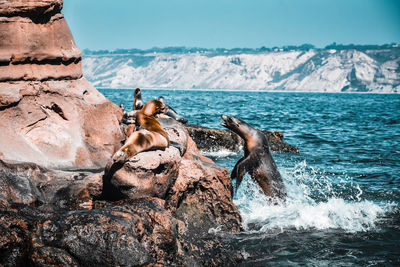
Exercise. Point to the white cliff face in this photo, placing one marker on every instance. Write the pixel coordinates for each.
(322, 70)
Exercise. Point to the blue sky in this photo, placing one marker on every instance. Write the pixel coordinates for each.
(106, 24)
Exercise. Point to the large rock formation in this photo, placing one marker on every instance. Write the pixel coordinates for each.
(49, 113)
(161, 207)
(167, 207)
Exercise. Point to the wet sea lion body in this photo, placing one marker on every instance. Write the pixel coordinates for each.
(257, 160)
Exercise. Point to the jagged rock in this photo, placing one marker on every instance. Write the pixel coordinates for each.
(60, 217)
(101, 237)
(30, 8)
(197, 190)
(199, 197)
(277, 144)
(149, 173)
(30, 184)
(209, 139)
(49, 113)
(55, 228)
(53, 118)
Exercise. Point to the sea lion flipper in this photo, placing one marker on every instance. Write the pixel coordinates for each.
(234, 173)
(241, 170)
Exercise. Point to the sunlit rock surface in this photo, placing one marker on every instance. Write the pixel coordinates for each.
(49, 113)
(164, 210)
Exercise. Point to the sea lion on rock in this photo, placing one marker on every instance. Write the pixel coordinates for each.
(257, 160)
(137, 99)
(172, 113)
(130, 117)
(150, 136)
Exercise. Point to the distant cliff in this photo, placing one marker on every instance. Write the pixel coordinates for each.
(325, 70)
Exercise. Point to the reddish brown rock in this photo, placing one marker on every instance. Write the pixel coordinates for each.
(196, 190)
(49, 113)
(65, 223)
(30, 184)
(30, 8)
(53, 117)
(149, 173)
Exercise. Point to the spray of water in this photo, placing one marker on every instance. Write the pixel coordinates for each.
(223, 153)
(314, 201)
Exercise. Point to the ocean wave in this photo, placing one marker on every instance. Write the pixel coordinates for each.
(223, 153)
(313, 202)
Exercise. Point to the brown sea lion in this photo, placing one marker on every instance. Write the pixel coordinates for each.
(150, 136)
(130, 129)
(130, 117)
(257, 160)
(137, 99)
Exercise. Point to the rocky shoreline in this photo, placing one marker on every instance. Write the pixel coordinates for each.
(159, 208)
(58, 206)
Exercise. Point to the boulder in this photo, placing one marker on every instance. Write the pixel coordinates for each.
(49, 113)
(211, 140)
(196, 189)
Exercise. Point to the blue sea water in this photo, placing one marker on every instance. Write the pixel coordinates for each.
(343, 188)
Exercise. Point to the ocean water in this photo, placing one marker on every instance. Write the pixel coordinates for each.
(343, 188)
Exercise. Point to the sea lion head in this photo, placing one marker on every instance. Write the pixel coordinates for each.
(154, 107)
(172, 113)
(236, 125)
(137, 99)
(138, 92)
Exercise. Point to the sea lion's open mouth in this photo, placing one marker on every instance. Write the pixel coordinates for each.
(224, 119)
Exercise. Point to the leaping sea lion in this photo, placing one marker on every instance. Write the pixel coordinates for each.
(257, 160)
(150, 136)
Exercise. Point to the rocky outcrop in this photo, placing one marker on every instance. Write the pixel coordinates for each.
(208, 139)
(49, 113)
(177, 174)
(167, 206)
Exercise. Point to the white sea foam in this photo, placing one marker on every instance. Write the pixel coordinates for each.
(313, 202)
(223, 153)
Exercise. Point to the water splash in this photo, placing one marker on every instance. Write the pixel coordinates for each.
(223, 153)
(314, 201)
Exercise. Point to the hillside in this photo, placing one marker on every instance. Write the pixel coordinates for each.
(324, 70)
